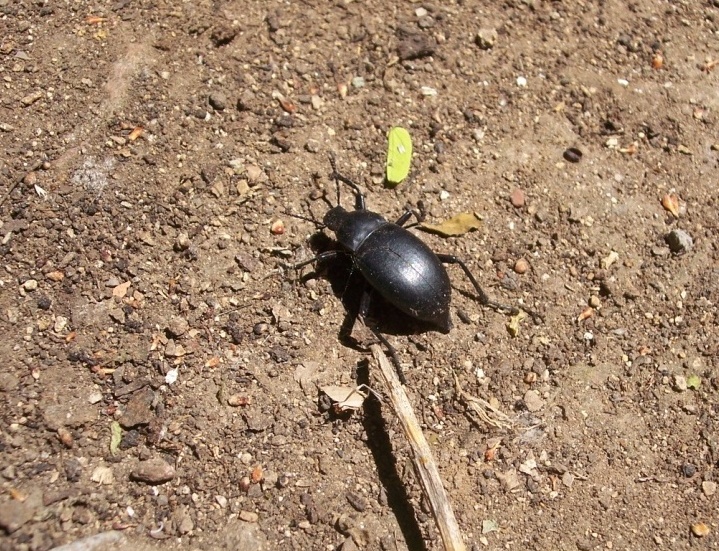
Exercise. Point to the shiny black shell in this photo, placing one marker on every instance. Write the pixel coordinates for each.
(396, 263)
(405, 271)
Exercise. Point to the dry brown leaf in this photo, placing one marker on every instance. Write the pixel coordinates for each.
(121, 290)
(17, 495)
(455, 226)
(657, 60)
(588, 312)
(346, 398)
(136, 133)
(286, 104)
(631, 149)
(709, 65)
(95, 19)
(671, 203)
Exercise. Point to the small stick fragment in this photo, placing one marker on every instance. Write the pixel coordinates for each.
(487, 413)
(422, 456)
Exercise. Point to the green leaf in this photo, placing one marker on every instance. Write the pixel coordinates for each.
(399, 154)
(694, 381)
(488, 526)
(116, 436)
(514, 321)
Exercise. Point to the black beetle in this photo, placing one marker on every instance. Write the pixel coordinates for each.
(395, 262)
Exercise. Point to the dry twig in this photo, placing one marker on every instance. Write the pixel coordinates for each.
(422, 456)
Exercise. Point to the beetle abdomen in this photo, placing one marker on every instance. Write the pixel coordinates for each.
(405, 271)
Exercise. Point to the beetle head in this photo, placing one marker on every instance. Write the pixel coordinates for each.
(334, 218)
(352, 227)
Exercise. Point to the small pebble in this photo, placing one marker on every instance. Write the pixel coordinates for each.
(249, 516)
(238, 400)
(184, 521)
(517, 198)
(31, 98)
(174, 350)
(486, 38)
(700, 529)
(60, 324)
(218, 101)
(153, 471)
(573, 155)
(709, 488)
(356, 501)
(55, 276)
(254, 174)
(680, 383)
(65, 437)
(533, 401)
(178, 326)
(689, 470)
(679, 241)
(277, 227)
(182, 243)
(30, 178)
(30, 285)
(94, 397)
(594, 301)
(521, 266)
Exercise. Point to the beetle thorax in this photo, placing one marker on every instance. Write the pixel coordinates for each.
(352, 227)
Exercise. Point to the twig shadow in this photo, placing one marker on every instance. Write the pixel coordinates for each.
(381, 447)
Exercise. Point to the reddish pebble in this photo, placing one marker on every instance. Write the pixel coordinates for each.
(517, 198)
(278, 227)
(521, 266)
(238, 400)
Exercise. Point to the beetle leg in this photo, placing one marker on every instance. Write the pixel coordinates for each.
(419, 215)
(484, 300)
(364, 309)
(322, 256)
(402, 220)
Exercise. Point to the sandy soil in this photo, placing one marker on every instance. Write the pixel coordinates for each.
(160, 364)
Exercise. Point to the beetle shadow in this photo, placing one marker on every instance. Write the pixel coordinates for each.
(349, 286)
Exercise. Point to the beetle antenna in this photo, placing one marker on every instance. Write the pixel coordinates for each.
(317, 223)
(335, 175)
(359, 197)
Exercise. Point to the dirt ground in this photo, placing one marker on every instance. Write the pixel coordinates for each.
(161, 363)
